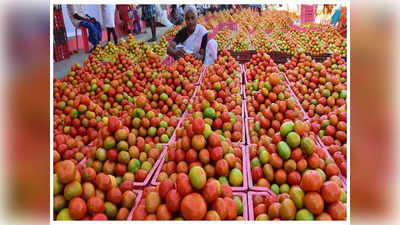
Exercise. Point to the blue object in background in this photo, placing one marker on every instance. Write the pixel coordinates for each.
(94, 29)
(336, 16)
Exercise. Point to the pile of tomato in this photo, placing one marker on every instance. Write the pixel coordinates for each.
(136, 139)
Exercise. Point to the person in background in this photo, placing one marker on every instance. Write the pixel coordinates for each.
(108, 13)
(79, 18)
(213, 8)
(136, 20)
(206, 9)
(124, 15)
(192, 39)
(336, 14)
(200, 8)
(259, 9)
(176, 15)
(149, 14)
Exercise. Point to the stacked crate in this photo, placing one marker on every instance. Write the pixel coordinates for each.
(60, 46)
(307, 13)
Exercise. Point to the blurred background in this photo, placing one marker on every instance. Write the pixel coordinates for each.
(25, 111)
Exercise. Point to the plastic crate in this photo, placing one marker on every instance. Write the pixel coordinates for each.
(250, 206)
(138, 198)
(244, 186)
(153, 169)
(307, 14)
(242, 57)
(319, 58)
(232, 26)
(243, 197)
(60, 36)
(58, 19)
(211, 35)
(60, 52)
(279, 57)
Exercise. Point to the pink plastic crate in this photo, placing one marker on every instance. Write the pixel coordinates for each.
(318, 142)
(153, 169)
(244, 75)
(80, 165)
(325, 148)
(243, 197)
(248, 140)
(250, 181)
(200, 78)
(241, 73)
(295, 97)
(244, 187)
(218, 28)
(243, 91)
(250, 206)
(307, 13)
(243, 141)
(211, 35)
(138, 197)
(232, 26)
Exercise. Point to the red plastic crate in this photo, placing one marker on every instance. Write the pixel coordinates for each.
(58, 19)
(60, 52)
(60, 36)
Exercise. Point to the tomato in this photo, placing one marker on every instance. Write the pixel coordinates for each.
(193, 207)
(122, 214)
(337, 210)
(220, 206)
(330, 191)
(311, 181)
(314, 202)
(183, 184)
(95, 205)
(114, 195)
(260, 209)
(210, 192)
(140, 212)
(231, 208)
(103, 182)
(165, 186)
(163, 213)
(77, 208)
(198, 126)
(324, 216)
(273, 210)
(99, 216)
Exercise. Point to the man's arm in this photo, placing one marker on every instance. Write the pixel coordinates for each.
(78, 17)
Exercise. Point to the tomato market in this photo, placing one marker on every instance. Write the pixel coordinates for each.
(226, 112)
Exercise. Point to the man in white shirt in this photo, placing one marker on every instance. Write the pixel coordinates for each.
(108, 13)
(79, 18)
(76, 13)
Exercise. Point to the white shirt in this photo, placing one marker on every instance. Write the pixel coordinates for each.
(76, 9)
(108, 12)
